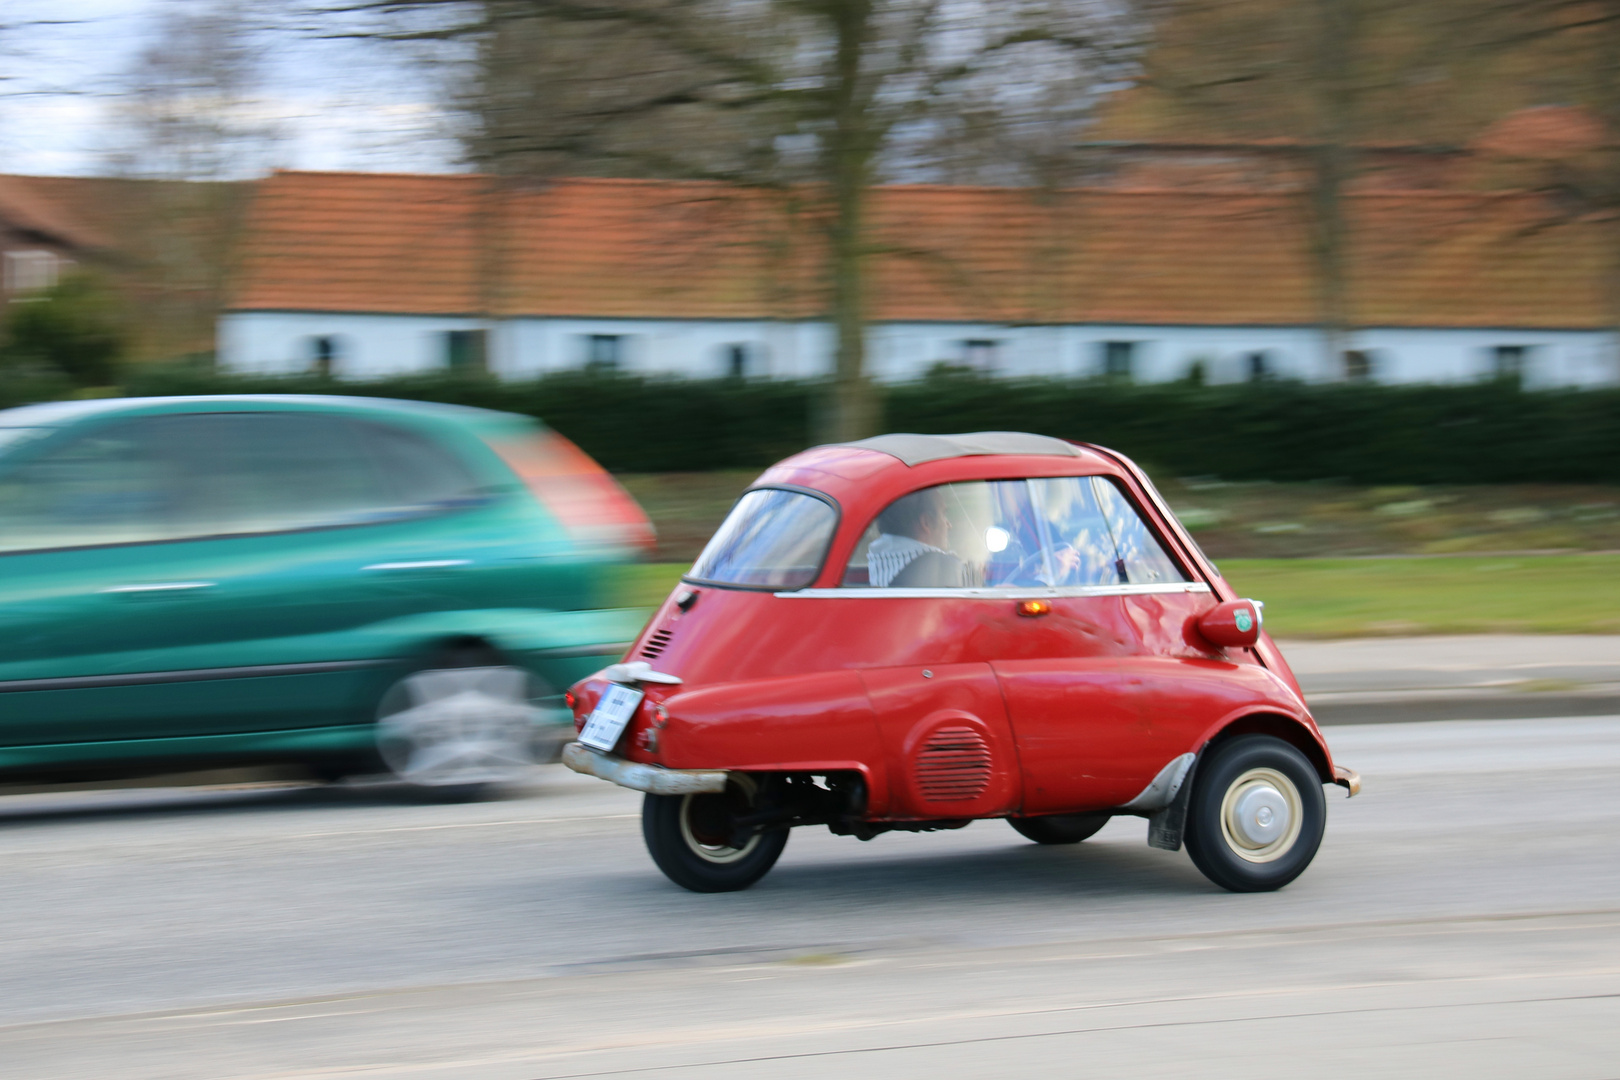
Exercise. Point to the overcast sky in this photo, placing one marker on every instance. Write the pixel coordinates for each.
(336, 108)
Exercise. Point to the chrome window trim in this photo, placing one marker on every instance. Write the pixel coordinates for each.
(1038, 593)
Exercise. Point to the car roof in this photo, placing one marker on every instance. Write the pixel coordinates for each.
(58, 413)
(863, 477)
(918, 449)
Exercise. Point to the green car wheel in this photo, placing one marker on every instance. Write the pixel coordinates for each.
(459, 726)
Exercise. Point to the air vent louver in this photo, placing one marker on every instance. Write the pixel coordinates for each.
(954, 766)
(657, 643)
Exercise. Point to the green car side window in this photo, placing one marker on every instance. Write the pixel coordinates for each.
(112, 486)
(420, 475)
(220, 474)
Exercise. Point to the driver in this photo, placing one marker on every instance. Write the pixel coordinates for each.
(911, 550)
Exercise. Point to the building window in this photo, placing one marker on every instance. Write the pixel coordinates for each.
(604, 351)
(1359, 365)
(324, 351)
(31, 271)
(739, 359)
(1508, 361)
(466, 350)
(1258, 366)
(1118, 359)
(980, 354)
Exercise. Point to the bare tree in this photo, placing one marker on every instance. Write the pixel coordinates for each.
(190, 121)
(193, 104)
(1574, 45)
(814, 100)
(1313, 82)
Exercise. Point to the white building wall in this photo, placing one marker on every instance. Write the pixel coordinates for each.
(370, 346)
(365, 346)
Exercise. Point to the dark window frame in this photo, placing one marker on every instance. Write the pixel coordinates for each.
(604, 352)
(1117, 359)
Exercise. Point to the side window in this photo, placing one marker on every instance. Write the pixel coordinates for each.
(1061, 532)
(116, 485)
(277, 472)
(205, 474)
(969, 535)
(1078, 537)
(1142, 558)
(418, 474)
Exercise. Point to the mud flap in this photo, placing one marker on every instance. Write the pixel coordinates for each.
(1165, 826)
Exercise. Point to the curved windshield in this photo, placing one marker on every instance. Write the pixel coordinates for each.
(772, 539)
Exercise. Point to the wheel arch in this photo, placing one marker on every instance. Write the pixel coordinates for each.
(458, 646)
(1286, 728)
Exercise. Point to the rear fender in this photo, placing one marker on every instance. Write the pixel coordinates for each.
(817, 723)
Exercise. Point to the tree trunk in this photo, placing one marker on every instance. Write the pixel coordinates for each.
(1608, 96)
(1331, 167)
(1327, 243)
(852, 411)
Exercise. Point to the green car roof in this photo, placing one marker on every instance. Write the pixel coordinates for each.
(58, 413)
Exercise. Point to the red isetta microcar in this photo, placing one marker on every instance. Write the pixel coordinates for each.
(914, 631)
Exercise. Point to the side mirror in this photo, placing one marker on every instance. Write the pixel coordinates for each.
(1234, 624)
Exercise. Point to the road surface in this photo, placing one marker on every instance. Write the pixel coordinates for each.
(1462, 918)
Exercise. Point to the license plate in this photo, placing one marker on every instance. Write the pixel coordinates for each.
(607, 721)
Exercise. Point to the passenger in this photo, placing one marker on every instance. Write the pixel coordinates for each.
(910, 552)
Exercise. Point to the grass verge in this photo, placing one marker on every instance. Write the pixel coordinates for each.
(1340, 598)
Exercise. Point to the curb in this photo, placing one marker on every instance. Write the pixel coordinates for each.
(1421, 705)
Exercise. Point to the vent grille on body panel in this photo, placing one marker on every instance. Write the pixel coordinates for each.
(954, 766)
(657, 643)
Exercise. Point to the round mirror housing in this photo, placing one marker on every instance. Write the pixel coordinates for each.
(1233, 624)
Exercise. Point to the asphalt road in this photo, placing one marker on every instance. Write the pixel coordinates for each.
(1463, 917)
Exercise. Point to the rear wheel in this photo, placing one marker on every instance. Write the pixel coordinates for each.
(458, 726)
(696, 842)
(1256, 814)
(1059, 828)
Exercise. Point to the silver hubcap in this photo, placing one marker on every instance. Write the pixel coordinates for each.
(458, 726)
(701, 827)
(1261, 815)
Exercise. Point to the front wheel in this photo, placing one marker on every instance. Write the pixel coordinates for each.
(1256, 814)
(695, 840)
(1059, 828)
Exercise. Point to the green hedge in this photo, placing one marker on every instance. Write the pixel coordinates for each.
(1480, 433)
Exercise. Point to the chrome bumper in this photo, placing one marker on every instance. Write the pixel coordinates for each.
(1348, 779)
(648, 778)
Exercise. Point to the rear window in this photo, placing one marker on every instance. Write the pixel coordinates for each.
(773, 539)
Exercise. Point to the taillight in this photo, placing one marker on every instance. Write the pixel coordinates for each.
(570, 700)
(588, 502)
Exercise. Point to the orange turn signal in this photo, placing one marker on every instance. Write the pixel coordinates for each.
(1032, 608)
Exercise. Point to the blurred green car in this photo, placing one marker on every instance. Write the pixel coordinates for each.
(353, 584)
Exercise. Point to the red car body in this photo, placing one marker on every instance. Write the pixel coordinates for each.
(955, 704)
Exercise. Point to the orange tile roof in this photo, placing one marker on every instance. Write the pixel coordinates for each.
(1546, 132)
(625, 248)
(53, 206)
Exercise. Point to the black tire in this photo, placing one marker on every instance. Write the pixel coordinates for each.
(1256, 814)
(689, 837)
(1059, 828)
